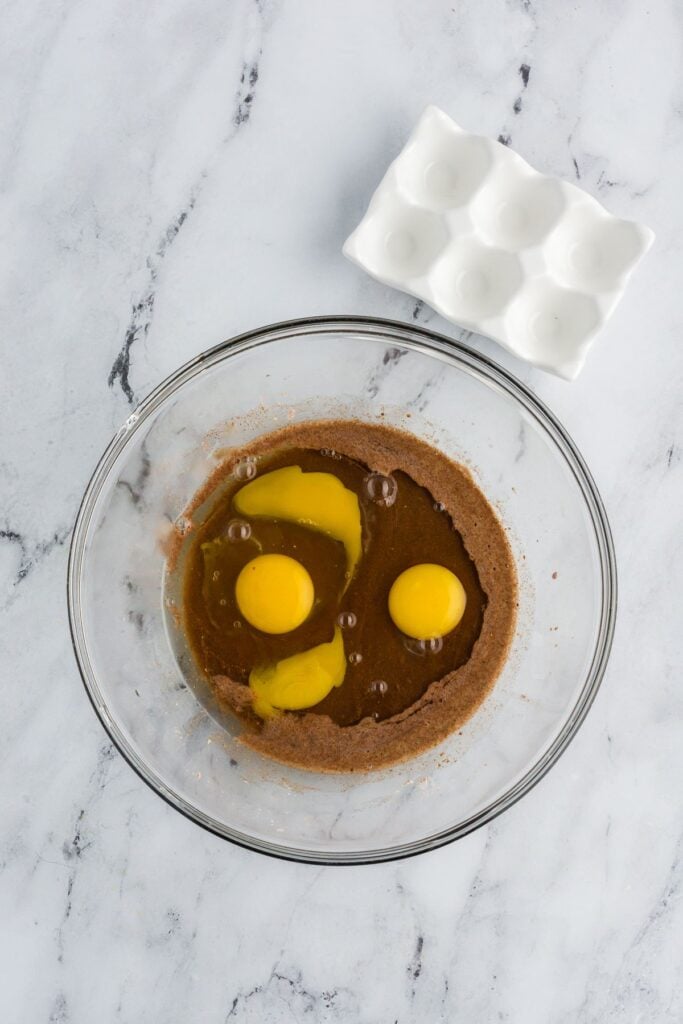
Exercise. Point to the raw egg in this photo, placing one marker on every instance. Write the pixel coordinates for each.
(274, 593)
(427, 601)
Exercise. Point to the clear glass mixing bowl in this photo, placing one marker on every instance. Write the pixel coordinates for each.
(321, 368)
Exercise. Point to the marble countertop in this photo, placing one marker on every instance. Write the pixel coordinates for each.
(172, 174)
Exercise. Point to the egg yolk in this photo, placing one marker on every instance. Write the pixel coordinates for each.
(300, 681)
(317, 500)
(274, 593)
(427, 601)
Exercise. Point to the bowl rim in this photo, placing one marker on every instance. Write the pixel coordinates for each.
(428, 342)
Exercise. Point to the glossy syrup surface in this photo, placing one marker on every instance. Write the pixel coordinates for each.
(402, 526)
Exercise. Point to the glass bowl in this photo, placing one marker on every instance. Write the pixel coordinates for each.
(350, 368)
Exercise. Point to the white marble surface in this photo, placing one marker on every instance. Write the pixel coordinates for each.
(171, 174)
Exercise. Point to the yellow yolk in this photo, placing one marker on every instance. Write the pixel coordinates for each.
(274, 593)
(317, 500)
(300, 681)
(427, 601)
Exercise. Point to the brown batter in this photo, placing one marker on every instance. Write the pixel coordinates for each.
(424, 691)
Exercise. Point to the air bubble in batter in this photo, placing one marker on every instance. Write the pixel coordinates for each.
(245, 469)
(346, 620)
(423, 647)
(237, 530)
(183, 525)
(380, 489)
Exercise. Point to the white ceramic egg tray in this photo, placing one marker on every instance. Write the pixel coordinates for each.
(465, 224)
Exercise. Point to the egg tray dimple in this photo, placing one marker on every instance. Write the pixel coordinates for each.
(468, 226)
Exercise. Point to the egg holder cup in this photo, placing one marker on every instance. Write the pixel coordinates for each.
(468, 226)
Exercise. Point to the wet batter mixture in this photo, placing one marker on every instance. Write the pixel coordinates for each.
(327, 679)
